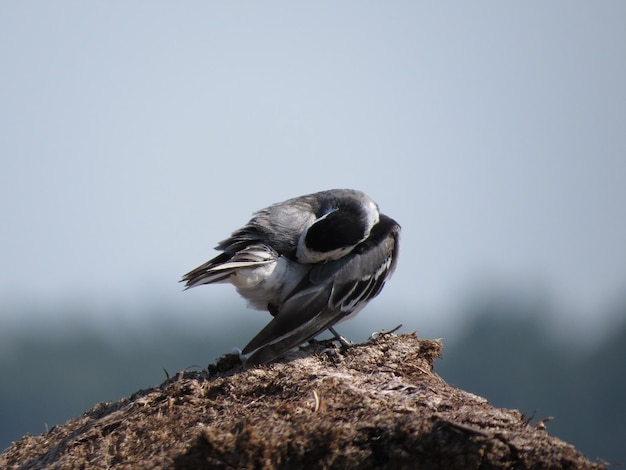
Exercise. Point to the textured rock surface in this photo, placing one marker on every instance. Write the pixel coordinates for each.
(374, 405)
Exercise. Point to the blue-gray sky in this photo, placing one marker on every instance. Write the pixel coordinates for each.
(135, 135)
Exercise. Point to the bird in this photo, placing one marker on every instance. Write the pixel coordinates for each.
(310, 261)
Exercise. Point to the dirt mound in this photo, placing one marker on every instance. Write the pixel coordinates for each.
(373, 405)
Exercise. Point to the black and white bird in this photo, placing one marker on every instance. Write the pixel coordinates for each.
(311, 261)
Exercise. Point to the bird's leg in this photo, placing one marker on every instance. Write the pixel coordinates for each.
(242, 357)
(344, 342)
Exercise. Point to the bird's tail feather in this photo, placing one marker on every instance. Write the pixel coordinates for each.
(220, 268)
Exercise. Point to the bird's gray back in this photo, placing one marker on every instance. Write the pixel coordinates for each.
(280, 225)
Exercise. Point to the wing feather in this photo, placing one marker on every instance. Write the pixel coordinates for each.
(292, 318)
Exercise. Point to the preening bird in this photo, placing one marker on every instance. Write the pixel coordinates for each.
(311, 261)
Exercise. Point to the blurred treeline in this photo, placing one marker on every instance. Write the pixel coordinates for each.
(508, 352)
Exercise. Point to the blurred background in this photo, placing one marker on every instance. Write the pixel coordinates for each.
(135, 136)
